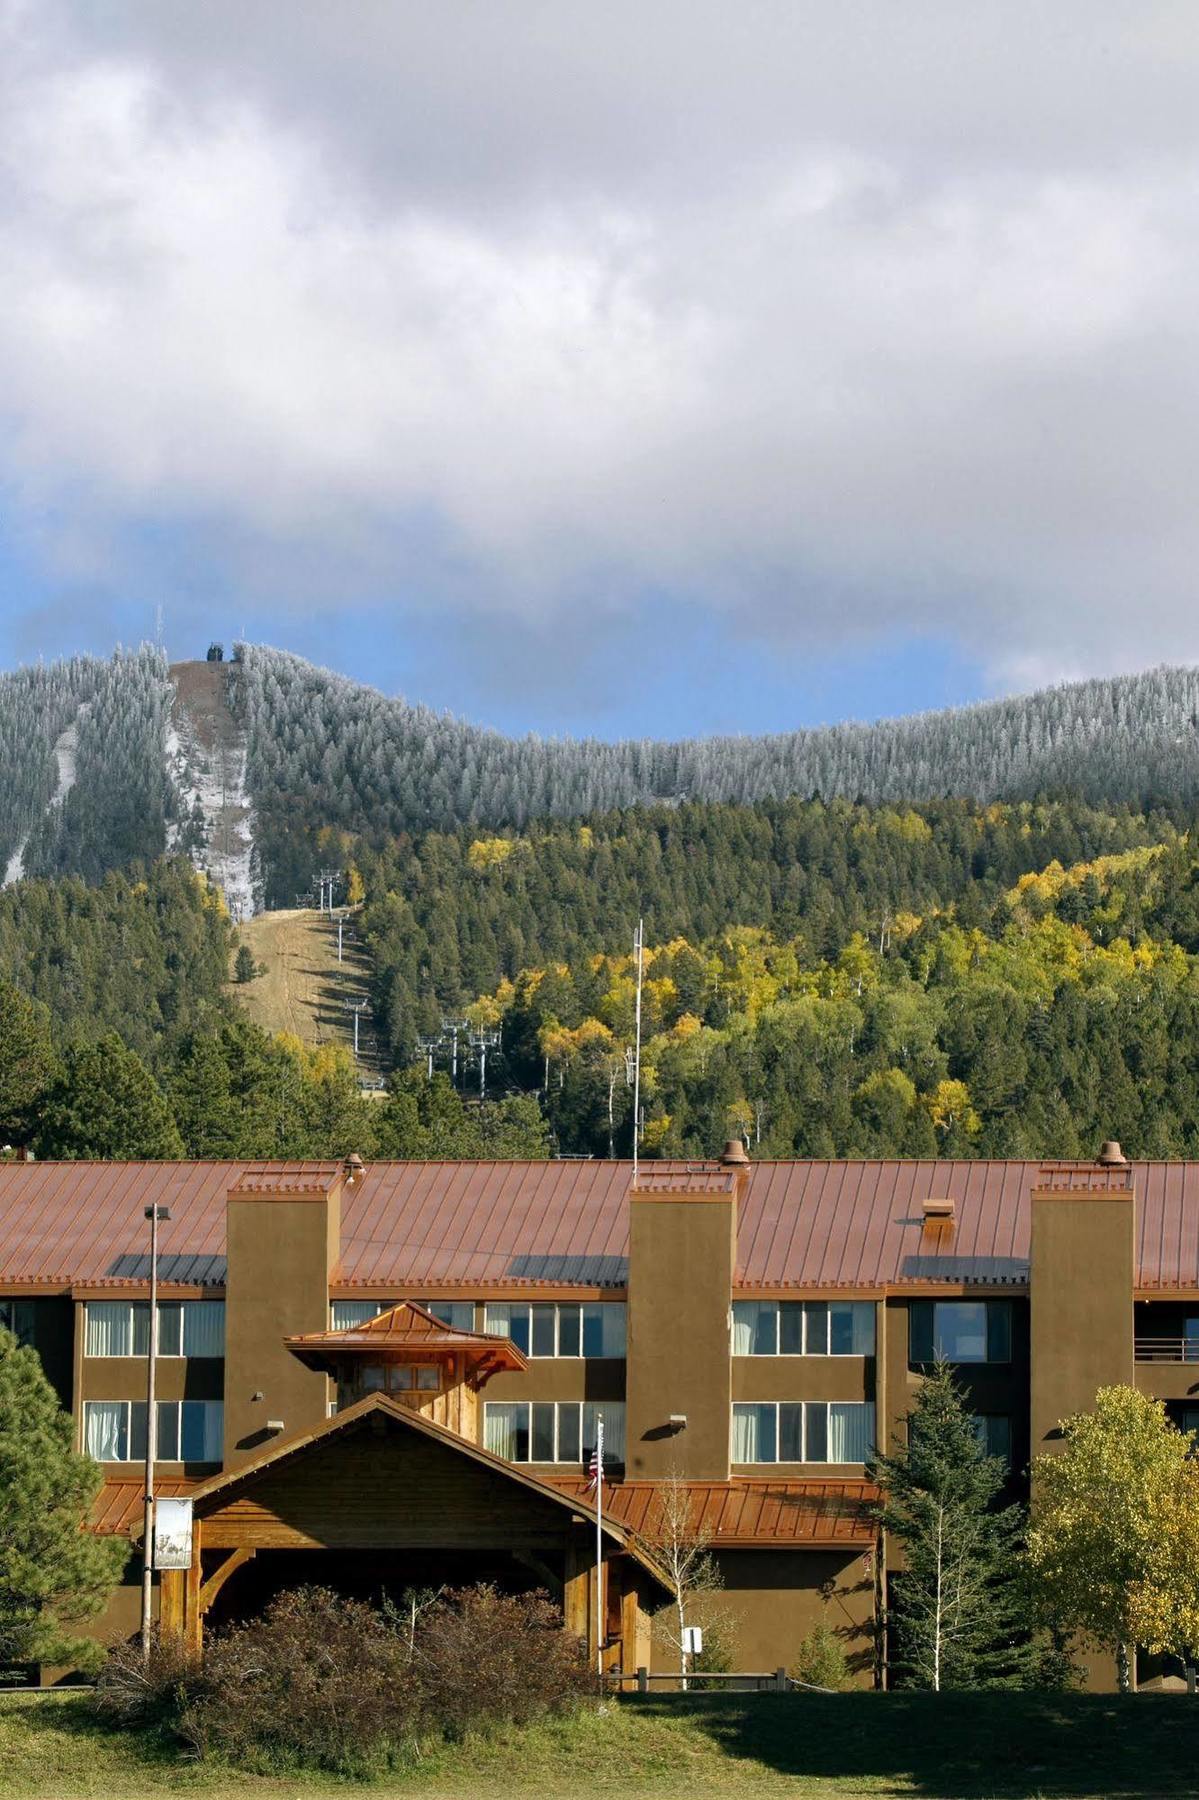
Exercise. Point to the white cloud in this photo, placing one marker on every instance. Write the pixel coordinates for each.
(834, 318)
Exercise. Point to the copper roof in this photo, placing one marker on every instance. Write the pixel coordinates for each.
(118, 1505)
(407, 1329)
(507, 1225)
(811, 1515)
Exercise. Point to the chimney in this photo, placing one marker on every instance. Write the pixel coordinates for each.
(1111, 1156)
(682, 1260)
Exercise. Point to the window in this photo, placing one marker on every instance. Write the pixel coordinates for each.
(458, 1314)
(345, 1315)
(590, 1328)
(185, 1328)
(17, 1316)
(803, 1328)
(188, 1430)
(549, 1431)
(994, 1433)
(817, 1431)
(960, 1331)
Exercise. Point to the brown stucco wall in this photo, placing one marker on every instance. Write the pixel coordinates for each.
(281, 1253)
(1081, 1281)
(773, 1598)
(561, 1378)
(803, 1377)
(682, 1251)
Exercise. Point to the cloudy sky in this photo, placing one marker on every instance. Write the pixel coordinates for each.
(646, 367)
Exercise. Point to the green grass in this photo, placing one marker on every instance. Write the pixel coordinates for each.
(751, 1747)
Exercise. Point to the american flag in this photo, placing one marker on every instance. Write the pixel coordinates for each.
(595, 1468)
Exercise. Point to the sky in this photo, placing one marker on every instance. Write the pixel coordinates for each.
(651, 368)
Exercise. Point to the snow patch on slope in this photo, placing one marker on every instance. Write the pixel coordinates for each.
(66, 749)
(216, 818)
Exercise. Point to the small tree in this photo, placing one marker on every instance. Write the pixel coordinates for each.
(683, 1545)
(244, 966)
(962, 1612)
(1113, 1546)
(52, 1572)
(820, 1660)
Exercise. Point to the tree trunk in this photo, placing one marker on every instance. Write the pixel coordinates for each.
(1123, 1675)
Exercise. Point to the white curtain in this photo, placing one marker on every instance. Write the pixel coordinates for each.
(204, 1328)
(343, 1316)
(104, 1429)
(613, 1411)
(850, 1431)
(747, 1437)
(500, 1421)
(745, 1326)
(497, 1319)
(109, 1328)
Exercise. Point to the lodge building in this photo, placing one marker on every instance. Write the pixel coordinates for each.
(390, 1376)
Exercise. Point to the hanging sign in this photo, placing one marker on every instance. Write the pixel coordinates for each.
(172, 1534)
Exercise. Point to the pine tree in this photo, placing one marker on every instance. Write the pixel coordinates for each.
(27, 1063)
(244, 966)
(106, 1106)
(962, 1616)
(52, 1573)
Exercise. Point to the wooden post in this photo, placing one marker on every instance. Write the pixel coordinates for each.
(193, 1624)
(576, 1592)
(780, 1680)
(170, 1604)
(628, 1621)
(643, 1681)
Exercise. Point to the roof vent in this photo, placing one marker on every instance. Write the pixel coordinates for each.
(1111, 1156)
(354, 1168)
(938, 1210)
(734, 1152)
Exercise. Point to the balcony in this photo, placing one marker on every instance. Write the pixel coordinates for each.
(1166, 1349)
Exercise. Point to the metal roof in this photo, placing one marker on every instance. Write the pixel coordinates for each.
(509, 1225)
(751, 1514)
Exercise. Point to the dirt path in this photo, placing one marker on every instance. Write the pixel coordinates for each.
(304, 989)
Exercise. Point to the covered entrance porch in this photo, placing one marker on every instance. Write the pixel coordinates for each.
(382, 1500)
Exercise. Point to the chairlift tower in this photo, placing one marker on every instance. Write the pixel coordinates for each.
(481, 1042)
(428, 1047)
(357, 1007)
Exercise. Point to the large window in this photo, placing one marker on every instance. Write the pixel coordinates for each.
(803, 1328)
(816, 1431)
(344, 1315)
(560, 1431)
(17, 1316)
(588, 1328)
(185, 1328)
(188, 1430)
(960, 1331)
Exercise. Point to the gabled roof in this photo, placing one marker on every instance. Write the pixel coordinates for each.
(218, 1488)
(408, 1329)
(512, 1226)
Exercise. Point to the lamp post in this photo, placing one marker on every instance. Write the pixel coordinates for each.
(157, 1215)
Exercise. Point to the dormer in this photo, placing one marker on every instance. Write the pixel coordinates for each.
(434, 1368)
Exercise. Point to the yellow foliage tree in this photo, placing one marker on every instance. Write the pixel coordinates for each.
(1108, 1543)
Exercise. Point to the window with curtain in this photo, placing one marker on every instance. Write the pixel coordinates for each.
(803, 1328)
(561, 1431)
(185, 1328)
(592, 1328)
(344, 1315)
(186, 1430)
(814, 1431)
(960, 1331)
(17, 1316)
(458, 1314)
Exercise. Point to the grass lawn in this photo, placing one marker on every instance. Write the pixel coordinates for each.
(750, 1747)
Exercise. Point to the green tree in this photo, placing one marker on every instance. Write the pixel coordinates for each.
(27, 1063)
(52, 1573)
(961, 1614)
(244, 966)
(1096, 1547)
(106, 1106)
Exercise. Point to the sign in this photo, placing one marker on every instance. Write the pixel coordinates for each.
(693, 1640)
(172, 1534)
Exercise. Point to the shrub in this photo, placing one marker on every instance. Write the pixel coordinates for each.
(485, 1657)
(317, 1681)
(820, 1660)
(134, 1692)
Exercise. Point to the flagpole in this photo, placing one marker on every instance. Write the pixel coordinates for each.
(599, 1545)
(639, 952)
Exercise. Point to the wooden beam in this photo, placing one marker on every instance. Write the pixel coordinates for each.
(542, 1571)
(220, 1575)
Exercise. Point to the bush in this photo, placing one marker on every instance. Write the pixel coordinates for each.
(322, 1682)
(820, 1660)
(317, 1681)
(132, 1692)
(484, 1657)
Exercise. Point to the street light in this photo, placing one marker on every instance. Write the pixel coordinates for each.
(157, 1215)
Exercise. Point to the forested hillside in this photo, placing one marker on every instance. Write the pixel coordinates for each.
(327, 751)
